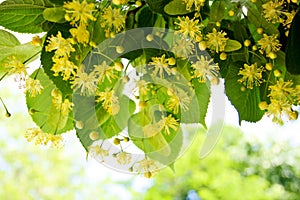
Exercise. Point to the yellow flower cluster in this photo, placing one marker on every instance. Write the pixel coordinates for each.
(146, 166)
(164, 125)
(161, 66)
(272, 11)
(178, 98)
(123, 158)
(216, 40)
(41, 138)
(79, 14)
(15, 66)
(33, 87)
(110, 101)
(86, 83)
(277, 11)
(252, 75)
(189, 28)
(113, 20)
(63, 48)
(270, 45)
(97, 151)
(196, 3)
(283, 95)
(104, 71)
(65, 107)
(182, 47)
(204, 68)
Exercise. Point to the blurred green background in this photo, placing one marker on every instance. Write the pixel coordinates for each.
(239, 167)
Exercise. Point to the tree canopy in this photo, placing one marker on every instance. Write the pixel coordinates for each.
(127, 75)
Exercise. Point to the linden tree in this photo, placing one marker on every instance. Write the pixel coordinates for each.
(129, 75)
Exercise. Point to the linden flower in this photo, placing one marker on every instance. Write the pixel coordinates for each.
(277, 108)
(183, 47)
(204, 68)
(76, 11)
(216, 40)
(63, 66)
(252, 75)
(104, 70)
(56, 98)
(85, 82)
(281, 90)
(272, 11)
(178, 98)
(150, 130)
(14, 65)
(41, 138)
(146, 165)
(113, 19)
(33, 87)
(188, 27)
(66, 107)
(197, 3)
(123, 158)
(97, 151)
(110, 102)
(36, 41)
(56, 140)
(289, 18)
(62, 46)
(80, 34)
(161, 66)
(169, 123)
(269, 44)
(143, 87)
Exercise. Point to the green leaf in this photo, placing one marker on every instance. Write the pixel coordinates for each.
(294, 78)
(245, 102)
(7, 39)
(217, 11)
(158, 5)
(95, 118)
(10, 46)
(145, 17)
(293, 47)
(161, 147)
(232, 45)
(176, 7)
(87, 112)
(202, 91)
(115, 124)
(48, 118)
(255, 17)
(23, 16)
(56, 14)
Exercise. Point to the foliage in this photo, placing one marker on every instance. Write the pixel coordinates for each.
(39, 172)
(238, 168)
(175, 51)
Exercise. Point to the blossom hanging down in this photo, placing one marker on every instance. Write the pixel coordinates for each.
(269, 44)
(33, 87)
(86, 83)
(216, 40)
(204, 68)
(282, 97)
(81, 12)
(252, 75)
(272, 11)
(161, 66)
(189, 28)
(110, 101)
